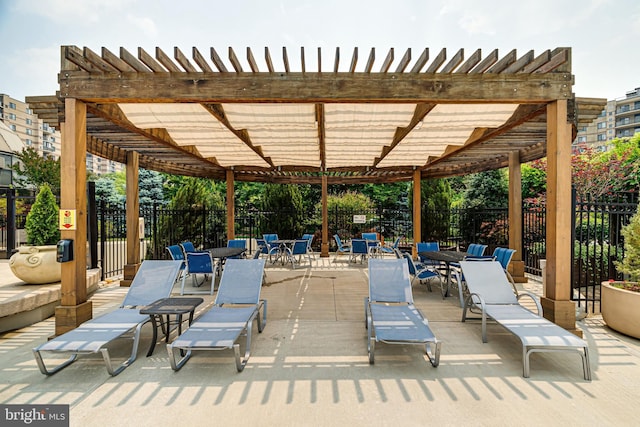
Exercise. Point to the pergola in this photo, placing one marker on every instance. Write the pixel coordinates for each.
(361, 121)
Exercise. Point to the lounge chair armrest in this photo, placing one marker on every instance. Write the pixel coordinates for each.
(534, 298)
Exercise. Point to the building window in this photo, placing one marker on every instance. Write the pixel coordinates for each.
(12, 127)
(582, 139)
(29, 121)
(602, 125)
(29, 131)
(28, 141)
(602, 137)
(12, 105)
(29, 111)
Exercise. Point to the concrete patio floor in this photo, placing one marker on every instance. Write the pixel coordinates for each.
(310, 368)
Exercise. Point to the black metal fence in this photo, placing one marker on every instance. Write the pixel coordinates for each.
(597, 238)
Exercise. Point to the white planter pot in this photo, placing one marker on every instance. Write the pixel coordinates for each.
(36, 265)
(620, 309)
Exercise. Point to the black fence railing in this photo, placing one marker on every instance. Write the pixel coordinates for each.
(597, 238)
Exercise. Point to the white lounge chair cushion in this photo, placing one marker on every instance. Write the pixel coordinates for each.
(91, 336)
(400, 323)
(219, 327)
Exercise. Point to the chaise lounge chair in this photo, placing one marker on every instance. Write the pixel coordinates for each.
(236, 305)
(390, 314)
(491, 292)
(154, 280)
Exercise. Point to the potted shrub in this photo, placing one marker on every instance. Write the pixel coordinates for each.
(620, 300)
(36, 262)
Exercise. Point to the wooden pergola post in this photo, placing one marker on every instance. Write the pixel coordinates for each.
(557, 304)
(133, 215)
(516, 266)
(231, 214)
(74, 308)
(324, 249)
(417, 212)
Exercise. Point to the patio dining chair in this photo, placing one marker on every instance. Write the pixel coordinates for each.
(425, 273)
(267, 248)
(199, 263)
(153, 280)
(299, 249)
(359, 248)
(390, 249)
(176, 253)
(237, 243)
(390, 314)
(373, 244)
(341, 249)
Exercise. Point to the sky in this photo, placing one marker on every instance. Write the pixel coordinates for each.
(603, 34)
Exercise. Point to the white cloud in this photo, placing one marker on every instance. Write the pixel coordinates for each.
(145, 24)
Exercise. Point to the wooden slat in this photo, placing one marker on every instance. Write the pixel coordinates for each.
(502, 64)
(133, 61)
(319, 60)
(422, 60)
(372, 58)
(536, 63)
(470, 63)
(267, 58)
(75, 55)
(336, 61)
(556, 61)
(404, 62)
(252, 61)
(100, 63)
(354, 60)
(166, 61)
(150, 62)
(520, 63)
(302, 60)
(437, 61)
(217, 61)
(285, 59)
(183, 60)
(234, 60)
(321, 136)
(200, 60)
(115, 61)
(454, 62)
(485, 63)
(387, 61)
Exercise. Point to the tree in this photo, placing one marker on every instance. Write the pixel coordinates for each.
(486, 190)
(286, 201)
(34, 170)
(150, 185)
(435, 195)
(187, 222)
(534, 178)
(41, 225)
(106, 190)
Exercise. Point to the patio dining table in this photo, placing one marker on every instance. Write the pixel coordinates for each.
(222, 253)
(446, 257)
(283, 245)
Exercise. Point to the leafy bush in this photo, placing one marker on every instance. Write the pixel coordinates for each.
(631, 262)
(42, 221)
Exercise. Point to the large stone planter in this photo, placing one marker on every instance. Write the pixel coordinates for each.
(36, 265)
(620, 309)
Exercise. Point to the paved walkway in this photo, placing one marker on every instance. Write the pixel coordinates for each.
(310, 368)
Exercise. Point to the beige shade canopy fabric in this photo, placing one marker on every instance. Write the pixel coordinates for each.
(203, 117)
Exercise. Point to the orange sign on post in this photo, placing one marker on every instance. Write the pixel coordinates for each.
(67, 219)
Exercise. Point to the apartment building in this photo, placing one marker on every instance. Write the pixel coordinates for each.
(43, 138)
(619, 119)
(30, 129)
